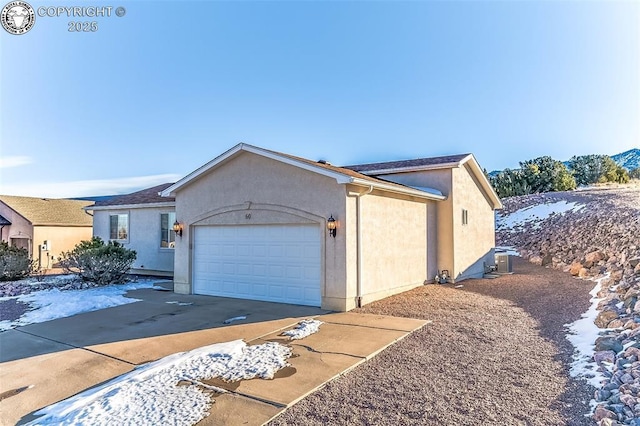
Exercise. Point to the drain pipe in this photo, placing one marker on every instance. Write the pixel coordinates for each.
(359, 246)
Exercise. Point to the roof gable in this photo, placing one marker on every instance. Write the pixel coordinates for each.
(340, 174)
(47, 211)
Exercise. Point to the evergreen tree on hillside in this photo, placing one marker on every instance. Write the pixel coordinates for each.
(544, 174)
(589, 169)
(509, 183)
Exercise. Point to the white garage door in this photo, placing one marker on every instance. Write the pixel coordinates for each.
(276, 263)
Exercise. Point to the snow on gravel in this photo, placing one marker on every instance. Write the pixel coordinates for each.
(304, 329)
(536, 214)
(167, 391)
(582, 334)
(46, 305)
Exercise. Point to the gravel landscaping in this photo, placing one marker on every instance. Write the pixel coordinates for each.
(496, 353)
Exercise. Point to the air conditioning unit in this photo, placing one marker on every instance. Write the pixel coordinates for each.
(503, 262)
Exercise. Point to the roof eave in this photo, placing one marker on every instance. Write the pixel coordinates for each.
(67, 225)
(132, 206)
(484, 182)
(398, 190)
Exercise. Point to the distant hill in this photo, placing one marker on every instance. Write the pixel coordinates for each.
(629, 159)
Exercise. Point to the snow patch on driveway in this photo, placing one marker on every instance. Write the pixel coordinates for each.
(155, 393)
(47, 305)
(304, 329)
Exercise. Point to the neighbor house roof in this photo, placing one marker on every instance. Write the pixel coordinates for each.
(48, 211)
(340, 174)
(143, 198)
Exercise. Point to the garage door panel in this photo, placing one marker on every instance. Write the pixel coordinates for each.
(278, 263)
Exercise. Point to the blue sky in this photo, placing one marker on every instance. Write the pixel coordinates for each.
(151, 96)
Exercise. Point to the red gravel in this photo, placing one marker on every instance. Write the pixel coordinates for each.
(496, 353)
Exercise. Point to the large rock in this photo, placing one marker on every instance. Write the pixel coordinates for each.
(536, 260)
(575, 268)
(594, 256)
(603, 413)
(604, 356)
(608, 343)
(605, 317)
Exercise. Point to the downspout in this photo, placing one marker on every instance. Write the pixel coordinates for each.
(359, 246)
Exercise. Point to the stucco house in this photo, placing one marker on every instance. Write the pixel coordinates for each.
(258, 224)
(45, 227)
(141, 221)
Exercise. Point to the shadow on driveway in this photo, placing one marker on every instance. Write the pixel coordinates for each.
(158, 313)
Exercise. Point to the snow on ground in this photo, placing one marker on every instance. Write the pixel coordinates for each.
(304, 329)
(46, 305)
(536, 214)
(230, 320)
(167, 391)
(582, 334)
(508, 250)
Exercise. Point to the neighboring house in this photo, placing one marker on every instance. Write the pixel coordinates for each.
(45, 227)
(256, 224)
(142, 221)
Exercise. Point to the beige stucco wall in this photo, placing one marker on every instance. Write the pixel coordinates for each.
(474, 242)
(60, 239)
(144, 238)
(462, 249)
(19, 228)
(440, 216)
(394, 245)
(251, 189)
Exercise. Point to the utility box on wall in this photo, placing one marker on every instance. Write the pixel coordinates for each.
(503, 263)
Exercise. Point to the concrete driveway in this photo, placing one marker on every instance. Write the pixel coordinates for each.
(44, 363)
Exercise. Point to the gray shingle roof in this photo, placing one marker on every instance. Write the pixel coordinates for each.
(48, 211)
(419, 162)
(144, 196)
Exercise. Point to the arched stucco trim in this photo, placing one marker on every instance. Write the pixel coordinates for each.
(249, 213)
(273, 211)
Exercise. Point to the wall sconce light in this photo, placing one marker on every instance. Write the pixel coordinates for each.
(331, 226)
(177, 228)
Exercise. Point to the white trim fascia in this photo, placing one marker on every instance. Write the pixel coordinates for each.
(132, 206)
(484, 182)
(398, 190)
(170, 191)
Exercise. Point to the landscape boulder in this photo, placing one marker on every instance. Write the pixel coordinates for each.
(605, 317)
(575, 268)
(608, 343)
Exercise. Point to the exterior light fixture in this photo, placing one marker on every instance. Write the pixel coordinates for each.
(177, 228)
(331, 226)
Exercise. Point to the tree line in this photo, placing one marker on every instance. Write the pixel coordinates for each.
(544, 174)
